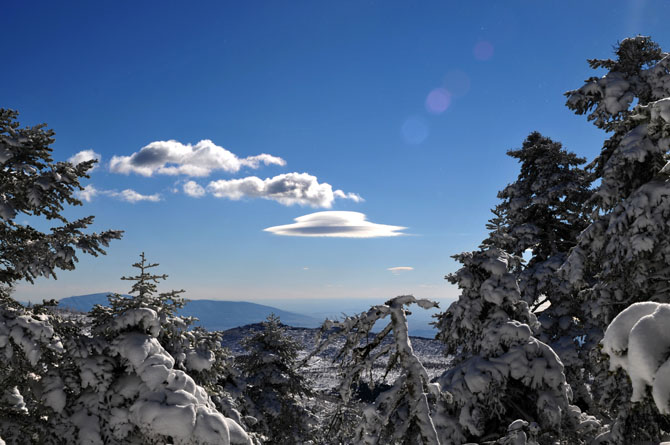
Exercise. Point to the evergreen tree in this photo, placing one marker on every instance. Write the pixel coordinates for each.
(275, 390)
(541, 215)
(195, 350)
(107, 378)
(400, 414)
(34, 359)
(33, 340)
(623, 256)
(31, 183)
(501, 372)
(543, 211)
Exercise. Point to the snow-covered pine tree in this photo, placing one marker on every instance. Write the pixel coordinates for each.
(402, 413)
(542, 211)
(195, 350)
(541, 215)
(34, 359)
(32, 394)
(275, 390)
(31, 183)
(501, 372)
(134, 363)
(623, 257)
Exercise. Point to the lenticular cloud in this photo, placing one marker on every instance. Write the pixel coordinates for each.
(337, 224)
(174, 158)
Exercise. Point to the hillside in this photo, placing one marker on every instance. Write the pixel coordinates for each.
(213, 315)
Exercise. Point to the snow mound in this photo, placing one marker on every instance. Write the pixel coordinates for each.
(638, 341)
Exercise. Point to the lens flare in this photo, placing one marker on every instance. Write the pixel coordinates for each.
(438, 101)
(414, 130)
(483, 50)
(457, 83)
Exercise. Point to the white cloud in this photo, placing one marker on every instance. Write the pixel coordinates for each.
(132, 196)
(353, 196)
(87, 194)
(174, 158)
(399, 269)
(85, 155)
(338, 224)
(287, 189)
(191, 188)
(128, 195)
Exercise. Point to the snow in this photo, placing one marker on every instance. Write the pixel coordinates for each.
(638, 341)
(615, 342)
(13, 398)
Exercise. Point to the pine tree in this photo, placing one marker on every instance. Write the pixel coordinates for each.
(402, 413)
(33, 340)
(32, 184)
(623, 256)
(275, 390)
(541, 215)
(501, 372)
(146, 375)
(33, 347)
(195, 350)
(543, 210)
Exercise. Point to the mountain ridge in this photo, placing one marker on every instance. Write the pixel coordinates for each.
(213, 315)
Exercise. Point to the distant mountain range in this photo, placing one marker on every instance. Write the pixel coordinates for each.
(213, 315)
(220, 315)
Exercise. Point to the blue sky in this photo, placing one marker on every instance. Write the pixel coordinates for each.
(400, 111)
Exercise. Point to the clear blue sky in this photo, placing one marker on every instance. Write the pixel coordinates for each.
(408, 105)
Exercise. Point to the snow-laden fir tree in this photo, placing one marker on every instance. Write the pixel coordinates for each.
(276, 392)
(543, 210)
(32, 184)
(540, 216)
(402, 413)
(33, 358)
(623, 257)
(195, 351)
(31, 346)
(130, 379)
(503, 377)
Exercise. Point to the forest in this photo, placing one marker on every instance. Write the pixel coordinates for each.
(560, 334)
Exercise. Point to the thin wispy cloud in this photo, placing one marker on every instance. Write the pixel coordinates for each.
(132, 196)
(199, 160)
(287, 189)
(85, 155)
(400, 269)
(337, 224)
(127, 195)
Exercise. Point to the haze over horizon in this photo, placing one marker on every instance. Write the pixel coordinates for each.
(301, 151)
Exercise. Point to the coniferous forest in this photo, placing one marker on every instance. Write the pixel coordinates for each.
(560, 334)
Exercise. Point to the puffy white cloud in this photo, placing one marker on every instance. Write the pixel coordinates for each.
(287, 189)
(174, 158)
(85, 155)
(128, 195)
(399, 269)
(338, 224)
(193, 189)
